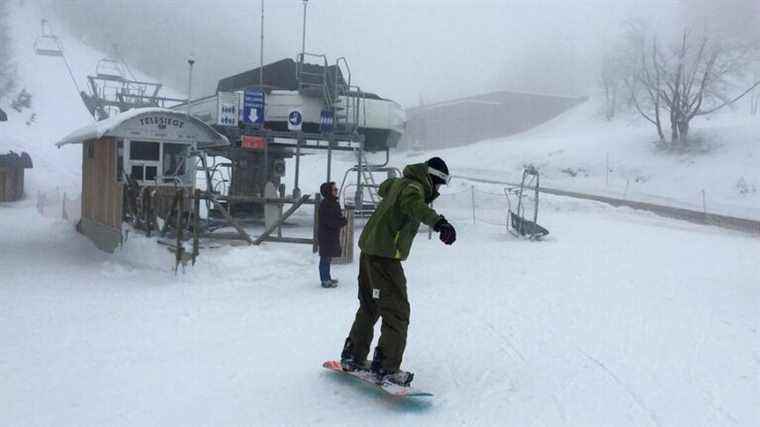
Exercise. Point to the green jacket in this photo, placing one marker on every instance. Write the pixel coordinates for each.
(391, 229)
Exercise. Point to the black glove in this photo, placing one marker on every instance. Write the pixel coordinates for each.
(447, 233)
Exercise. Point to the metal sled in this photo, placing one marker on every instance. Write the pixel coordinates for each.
(521, 222)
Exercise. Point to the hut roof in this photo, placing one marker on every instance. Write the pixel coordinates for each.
(278, 75)
(151, 123)
(15, 160)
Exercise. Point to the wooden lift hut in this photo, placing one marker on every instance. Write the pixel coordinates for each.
(153, 147)
(12, 167)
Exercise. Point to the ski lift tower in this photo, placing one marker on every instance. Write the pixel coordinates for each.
(114, 89)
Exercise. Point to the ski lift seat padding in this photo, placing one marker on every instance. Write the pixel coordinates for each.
(48, 52)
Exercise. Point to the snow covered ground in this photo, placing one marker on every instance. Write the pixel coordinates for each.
(619, 318)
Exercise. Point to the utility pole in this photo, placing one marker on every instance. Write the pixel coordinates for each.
(303, 37)
(261, 50)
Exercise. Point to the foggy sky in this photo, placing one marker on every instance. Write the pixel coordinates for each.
(407, 50)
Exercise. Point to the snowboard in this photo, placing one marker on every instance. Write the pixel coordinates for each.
(369, 378)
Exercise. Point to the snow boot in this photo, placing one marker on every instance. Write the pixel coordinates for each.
(328, 284)
(334, 283)
(398, 377)
(348, 361)
(402, 378)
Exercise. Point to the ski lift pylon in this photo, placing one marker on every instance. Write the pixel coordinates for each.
(47, 44)
(518, 223)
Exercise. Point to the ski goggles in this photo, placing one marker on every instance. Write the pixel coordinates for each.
(444, 177)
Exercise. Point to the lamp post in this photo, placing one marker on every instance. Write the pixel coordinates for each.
(190, 63)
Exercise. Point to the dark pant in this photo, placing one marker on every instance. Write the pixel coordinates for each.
(382, 293)
(324, 268)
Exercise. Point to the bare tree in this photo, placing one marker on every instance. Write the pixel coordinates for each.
(645, 85)
(696, 77)
(611, 79)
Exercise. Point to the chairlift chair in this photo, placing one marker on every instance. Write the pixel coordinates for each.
(110, 68)
(47, 44)
(520, 221)
(364, 206)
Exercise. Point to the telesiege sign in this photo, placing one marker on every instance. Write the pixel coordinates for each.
(162, 122)
(166, 127)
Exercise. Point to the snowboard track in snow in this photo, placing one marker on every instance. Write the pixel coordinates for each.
(634, 396)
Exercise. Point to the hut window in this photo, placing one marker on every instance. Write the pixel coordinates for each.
(150, 173)
(137, 173)
(156, 163)
(141, 150)
(174, 156)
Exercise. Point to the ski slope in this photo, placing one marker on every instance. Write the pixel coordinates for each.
(719, 173)
(57, 108)
(619, 318)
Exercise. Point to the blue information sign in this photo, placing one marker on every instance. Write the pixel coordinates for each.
(326, 121)
(295, 120)
(253, 107)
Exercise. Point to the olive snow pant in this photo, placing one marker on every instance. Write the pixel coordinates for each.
(382, 293)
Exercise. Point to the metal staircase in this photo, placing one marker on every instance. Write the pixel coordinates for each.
(350, 106)
(347, 103)
(313, 77)
(333, 85)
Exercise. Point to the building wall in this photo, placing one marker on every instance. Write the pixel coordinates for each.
(101, 194)
(11, 183)
(469, 120)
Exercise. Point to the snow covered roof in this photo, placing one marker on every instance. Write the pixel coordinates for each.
(149, 123)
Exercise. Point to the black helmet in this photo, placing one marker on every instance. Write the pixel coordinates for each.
(438, 171)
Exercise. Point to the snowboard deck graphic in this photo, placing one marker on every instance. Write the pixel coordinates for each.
(367, 377)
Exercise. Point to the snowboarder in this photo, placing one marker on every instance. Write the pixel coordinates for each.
(331, 220)
(386, 241)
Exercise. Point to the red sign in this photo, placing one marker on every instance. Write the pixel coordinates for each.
(253, 142)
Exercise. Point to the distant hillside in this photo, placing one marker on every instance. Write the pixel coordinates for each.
(54, 106)
(492, 115)
(581, 151)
